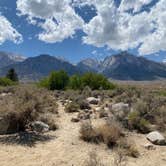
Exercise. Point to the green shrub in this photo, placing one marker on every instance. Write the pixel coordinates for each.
(60, 80)
(144, 125)
(75, 82)
(12, 75)
(135, 121)
(6, 82)
(57, 80)
(44, 83)
(96, 81)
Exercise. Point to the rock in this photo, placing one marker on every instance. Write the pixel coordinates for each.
(4, 124)
(75, 120)
(39, 126)
(149, 146)
(103, 114)
(86, 110)
(106, 108)
(5, 94)
(83, 116)
(98, 109)
(120, 110)
(93, 100)
(156, 138)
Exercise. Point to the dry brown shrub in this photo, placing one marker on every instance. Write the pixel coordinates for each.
(72, 107)
(88, 133)
(24, 105)
(93, 160)
(109, 133)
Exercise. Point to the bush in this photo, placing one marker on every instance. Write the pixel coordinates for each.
(127, 147)
(135, 121)
(56, 81)
(107, 133)
(60, 80)
(72, 107)
(6, 82)
(26, 104)
(88, 133)
(12, 75)
(93, 160)
(75, 82)
(96, 81)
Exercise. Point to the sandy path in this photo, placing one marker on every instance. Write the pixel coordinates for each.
(66, 149)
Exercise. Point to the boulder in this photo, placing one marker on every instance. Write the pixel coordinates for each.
(93, 100)
(120, 110)
(39, 126)
(156, 138)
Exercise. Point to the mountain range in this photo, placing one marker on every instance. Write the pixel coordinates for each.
(123, 66)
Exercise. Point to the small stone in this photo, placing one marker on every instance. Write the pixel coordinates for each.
(149, 146)
(75, 120)
(93, 100)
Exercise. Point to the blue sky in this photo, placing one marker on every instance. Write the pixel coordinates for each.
(90, 28)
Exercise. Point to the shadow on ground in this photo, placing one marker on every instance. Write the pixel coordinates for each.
(25, 138)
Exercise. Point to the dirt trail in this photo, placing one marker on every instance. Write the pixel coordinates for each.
(66, 149)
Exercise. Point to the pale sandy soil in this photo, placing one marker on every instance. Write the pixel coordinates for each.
(66, 149)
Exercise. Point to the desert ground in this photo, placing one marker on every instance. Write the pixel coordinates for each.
(64, 146)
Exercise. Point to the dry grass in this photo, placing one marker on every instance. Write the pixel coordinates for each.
(72, 107)
(93, 160)
(128, 148)
(24, 105)
(88, 133)
(109, 133)
(106, 133)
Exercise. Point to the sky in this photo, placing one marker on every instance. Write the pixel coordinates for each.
(79, 29)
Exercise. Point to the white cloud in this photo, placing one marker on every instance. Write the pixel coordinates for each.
(156, 41)
(113, 26)
(57, 18)
(121, 30)
(7, 32)
(136, 5)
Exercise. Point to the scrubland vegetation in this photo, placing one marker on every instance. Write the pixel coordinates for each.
(60, 81)
(100, 113)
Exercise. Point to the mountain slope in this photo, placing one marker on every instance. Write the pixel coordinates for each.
(38, 67)
(9, 58)
(89, 64)
(125, 66)
(122, 66)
